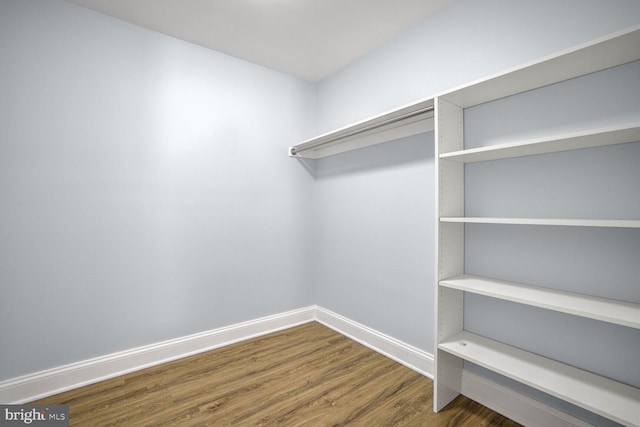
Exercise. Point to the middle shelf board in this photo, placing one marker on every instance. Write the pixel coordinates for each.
(610, 135)
(595, 393)
(615, 223)
(606, 310)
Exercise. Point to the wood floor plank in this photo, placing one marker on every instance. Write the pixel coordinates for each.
(304, 376)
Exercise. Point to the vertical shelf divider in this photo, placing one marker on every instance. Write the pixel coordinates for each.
(449, 306)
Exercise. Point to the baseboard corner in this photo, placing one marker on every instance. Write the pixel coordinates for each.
(405, 354)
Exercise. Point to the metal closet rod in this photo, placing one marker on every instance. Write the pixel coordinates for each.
(372, 126)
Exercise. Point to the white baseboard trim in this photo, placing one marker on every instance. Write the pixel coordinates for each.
(409, 356)
(46, 383)
(513, 405)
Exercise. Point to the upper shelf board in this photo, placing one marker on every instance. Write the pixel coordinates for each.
(402, 122)
(605, 52)
(610, 135)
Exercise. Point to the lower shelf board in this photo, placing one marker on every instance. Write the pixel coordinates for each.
(611, 399)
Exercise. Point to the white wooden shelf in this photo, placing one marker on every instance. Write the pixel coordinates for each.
(444, 113)
(402, 122)
(611, 399)
(610, 135)
(606, 52)
(607, 310)
(595, 393)
(614, 223)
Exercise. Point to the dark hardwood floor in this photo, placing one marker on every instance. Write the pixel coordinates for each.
(304, 376)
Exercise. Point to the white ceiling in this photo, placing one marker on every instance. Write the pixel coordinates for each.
(309, 39)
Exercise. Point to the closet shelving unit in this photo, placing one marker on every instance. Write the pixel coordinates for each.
(608, 398)
(444, 114)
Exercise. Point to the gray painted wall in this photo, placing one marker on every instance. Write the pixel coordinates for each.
(145, 189)
(375, 236)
